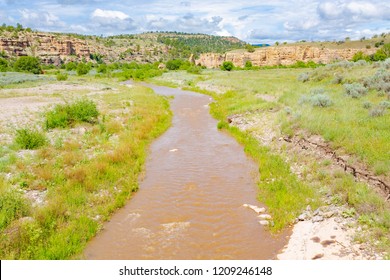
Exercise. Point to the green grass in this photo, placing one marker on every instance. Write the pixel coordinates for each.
(346, 125)
(86, 177)
(30, 139)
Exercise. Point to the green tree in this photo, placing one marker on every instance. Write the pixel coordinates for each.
(249, 48)
(227, 66)
(3, 65)
(174, 64)
(82, 69)
(28, 64)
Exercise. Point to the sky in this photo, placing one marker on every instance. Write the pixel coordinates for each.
(251, 21)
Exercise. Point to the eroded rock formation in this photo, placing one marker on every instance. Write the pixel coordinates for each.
(271, 56)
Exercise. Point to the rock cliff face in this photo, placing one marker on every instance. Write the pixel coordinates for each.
(271, 56)
(50, 48)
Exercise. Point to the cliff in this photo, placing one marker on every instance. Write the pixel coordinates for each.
(282, 55)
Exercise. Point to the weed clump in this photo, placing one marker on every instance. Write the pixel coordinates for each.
(65, 115)
(303, 77)
(378, 111)
(29, 138)
(355, 90)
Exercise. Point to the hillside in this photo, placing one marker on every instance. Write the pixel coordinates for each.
(57, 48)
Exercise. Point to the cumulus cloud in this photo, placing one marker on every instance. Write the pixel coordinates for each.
(112, 20)
(39, 19)
(187, 23)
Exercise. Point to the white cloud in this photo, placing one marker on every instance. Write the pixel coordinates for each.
(112, 20)
(39, 19)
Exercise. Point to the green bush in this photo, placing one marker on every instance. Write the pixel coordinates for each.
(248, 64)
(30, 139)
(28, 64)
(65, 115)
(3, 65)
(71, 66)
(62, 76)
(227, 66)
(82, 69)
(174, 64)
(378, 111)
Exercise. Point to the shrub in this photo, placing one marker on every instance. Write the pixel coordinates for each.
(71, 66)
(377, 111)
(367, 105)
(248, 64)
(315, 91)
(64, 115)
(3, 65)
(28, 64)
(62, 76)
(384, 104)
(82, 69)
(303, 77)
(227, 66)
(338, 79)
(320, 100)
(250, 48)
(355, 90)
(102, 68)
(174, 64)
(29, 138)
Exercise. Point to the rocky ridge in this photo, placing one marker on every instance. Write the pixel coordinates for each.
(281, 55)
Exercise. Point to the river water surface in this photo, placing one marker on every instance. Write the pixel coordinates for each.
(190, 202)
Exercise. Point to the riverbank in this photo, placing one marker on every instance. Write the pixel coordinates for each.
(272, 116)
(56, 197)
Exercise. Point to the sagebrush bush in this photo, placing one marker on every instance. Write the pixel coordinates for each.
(378, 111)
(355, 90)
(321, 100)
(303, 77)
(338, 79)
(30, 139)
(384, 104)
(64, 115)
(367, 105)
(315, 91)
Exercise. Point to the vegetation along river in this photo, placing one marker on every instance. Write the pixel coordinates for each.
(190, 202)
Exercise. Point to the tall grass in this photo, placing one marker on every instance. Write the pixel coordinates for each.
(86, 179)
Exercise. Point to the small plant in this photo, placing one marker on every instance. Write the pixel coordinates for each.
(355, 90)
(384, 104)
(303, 77)
(29, 138)
(194, 70)
(62, 76)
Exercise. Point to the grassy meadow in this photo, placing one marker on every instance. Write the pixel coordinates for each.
(65, 174)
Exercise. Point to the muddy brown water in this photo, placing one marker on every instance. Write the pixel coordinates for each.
(190, 202)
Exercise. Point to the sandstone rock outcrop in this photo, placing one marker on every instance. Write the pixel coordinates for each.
(270, 56)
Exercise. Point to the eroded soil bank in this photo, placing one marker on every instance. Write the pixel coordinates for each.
(190, 201)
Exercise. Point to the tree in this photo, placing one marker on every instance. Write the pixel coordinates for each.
(82, 69)
(227, 65)
(249, 48)
(3, 65)
(28, 64)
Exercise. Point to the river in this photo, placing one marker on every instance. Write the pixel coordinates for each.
(190, 201)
